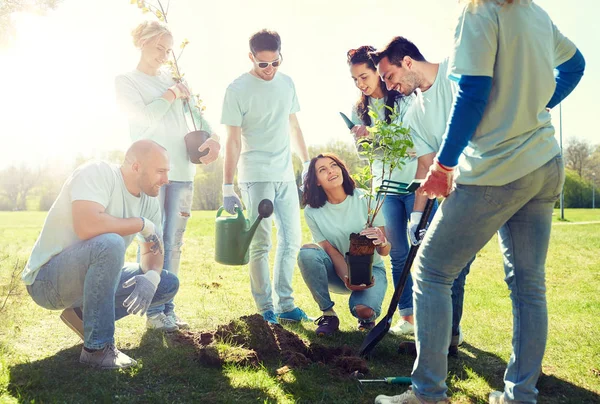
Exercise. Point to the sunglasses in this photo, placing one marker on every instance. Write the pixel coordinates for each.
(264, 65)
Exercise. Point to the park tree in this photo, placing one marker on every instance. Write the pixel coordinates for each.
(15, 184)
(8, 7)
(578, 154)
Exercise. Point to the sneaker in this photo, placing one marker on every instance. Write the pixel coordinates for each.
(182, 325)
(107, 358)
(455, 342)
(402, 327)
(73, 318)
(365, 325)
(270, 317)
(497, 397)
(294, 316)
(327, 325)
(408, 397)
(161, 322)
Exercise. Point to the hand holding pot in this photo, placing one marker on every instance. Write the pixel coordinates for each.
(213, 147)
(375, 234)
(356, 288)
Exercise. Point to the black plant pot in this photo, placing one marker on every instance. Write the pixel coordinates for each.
(193, 141)
(360, 269)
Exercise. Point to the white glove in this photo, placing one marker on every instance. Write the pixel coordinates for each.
(149, 235)
(415, 218)
(230, 199)
(145, 287)
(305, 166)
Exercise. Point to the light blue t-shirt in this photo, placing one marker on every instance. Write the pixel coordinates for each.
(96, 181)
(262, 109)
(428, 115)
(335, 222)
(519, 47)
(152, 117)
(407, 172)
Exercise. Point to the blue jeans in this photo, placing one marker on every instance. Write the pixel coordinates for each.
(90, 274)
(320, 277)
(286, 205)
(176, 207)
(521, 213)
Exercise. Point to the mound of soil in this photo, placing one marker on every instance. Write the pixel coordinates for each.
(250, 340)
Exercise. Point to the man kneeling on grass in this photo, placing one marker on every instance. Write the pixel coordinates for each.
(77, 263)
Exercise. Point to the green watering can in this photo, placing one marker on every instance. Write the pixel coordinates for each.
(234, 233)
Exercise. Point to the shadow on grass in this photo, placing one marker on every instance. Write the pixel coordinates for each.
(165, 373)
(491, 367)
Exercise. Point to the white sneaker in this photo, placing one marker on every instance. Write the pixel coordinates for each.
(402, 327)
(408, 397)
(182, 325)
(161, 322)
(107, 358)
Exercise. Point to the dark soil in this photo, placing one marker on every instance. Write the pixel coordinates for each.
(361, 245)
(250, 340)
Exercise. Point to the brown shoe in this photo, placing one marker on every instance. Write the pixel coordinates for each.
(107, 358)
(73, 318)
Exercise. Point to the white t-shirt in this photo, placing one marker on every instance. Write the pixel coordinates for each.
(428, 115)
(519, 47)
(152, 117)
(262, 109)
(407, 172)
(96, 181)
(335, 222)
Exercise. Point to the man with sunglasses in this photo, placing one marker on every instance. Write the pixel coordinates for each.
(259, 111)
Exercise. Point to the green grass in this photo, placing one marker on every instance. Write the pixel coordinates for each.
(39, 355)
(578, 215)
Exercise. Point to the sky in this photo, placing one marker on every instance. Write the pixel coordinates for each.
(58, 97)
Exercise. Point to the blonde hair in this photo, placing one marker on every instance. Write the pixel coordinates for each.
(149, 30)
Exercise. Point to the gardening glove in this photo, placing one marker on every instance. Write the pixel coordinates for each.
(145, 286)
(149, 234)
(305, 166)
(230, 199)
(375, 234)
(438, 182)
(415, 218)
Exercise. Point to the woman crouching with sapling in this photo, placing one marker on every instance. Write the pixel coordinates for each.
(335, 208)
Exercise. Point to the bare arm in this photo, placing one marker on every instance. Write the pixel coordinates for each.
(149, 261)
(339, 263)
(298, 142)
(423, 164)
(233, 148)
(91, 220)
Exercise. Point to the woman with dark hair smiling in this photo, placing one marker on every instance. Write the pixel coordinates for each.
(397, 209)
(334, 210)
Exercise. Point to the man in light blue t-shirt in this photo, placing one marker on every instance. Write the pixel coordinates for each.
(259, 111)
(77, 263)
(426, 117)
(511, 65)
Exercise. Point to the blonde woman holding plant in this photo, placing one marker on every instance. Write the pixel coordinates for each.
(154, 103)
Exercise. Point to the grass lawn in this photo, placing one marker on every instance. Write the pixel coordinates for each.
(39, 354)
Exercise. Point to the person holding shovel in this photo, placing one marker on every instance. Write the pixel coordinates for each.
(259, 111)
(335, 208)
(511, 65)
(155, 107)
(77, 263)
(396, 208)
(426, 117)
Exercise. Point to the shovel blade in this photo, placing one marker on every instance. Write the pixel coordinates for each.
(374, 336)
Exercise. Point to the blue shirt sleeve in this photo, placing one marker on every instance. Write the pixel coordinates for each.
(469, 105)
(567, 77)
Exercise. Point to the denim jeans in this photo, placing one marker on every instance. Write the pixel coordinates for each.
(521, 213)
(320, 277)
(90, 274)
(284, 196)
(176, 207)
